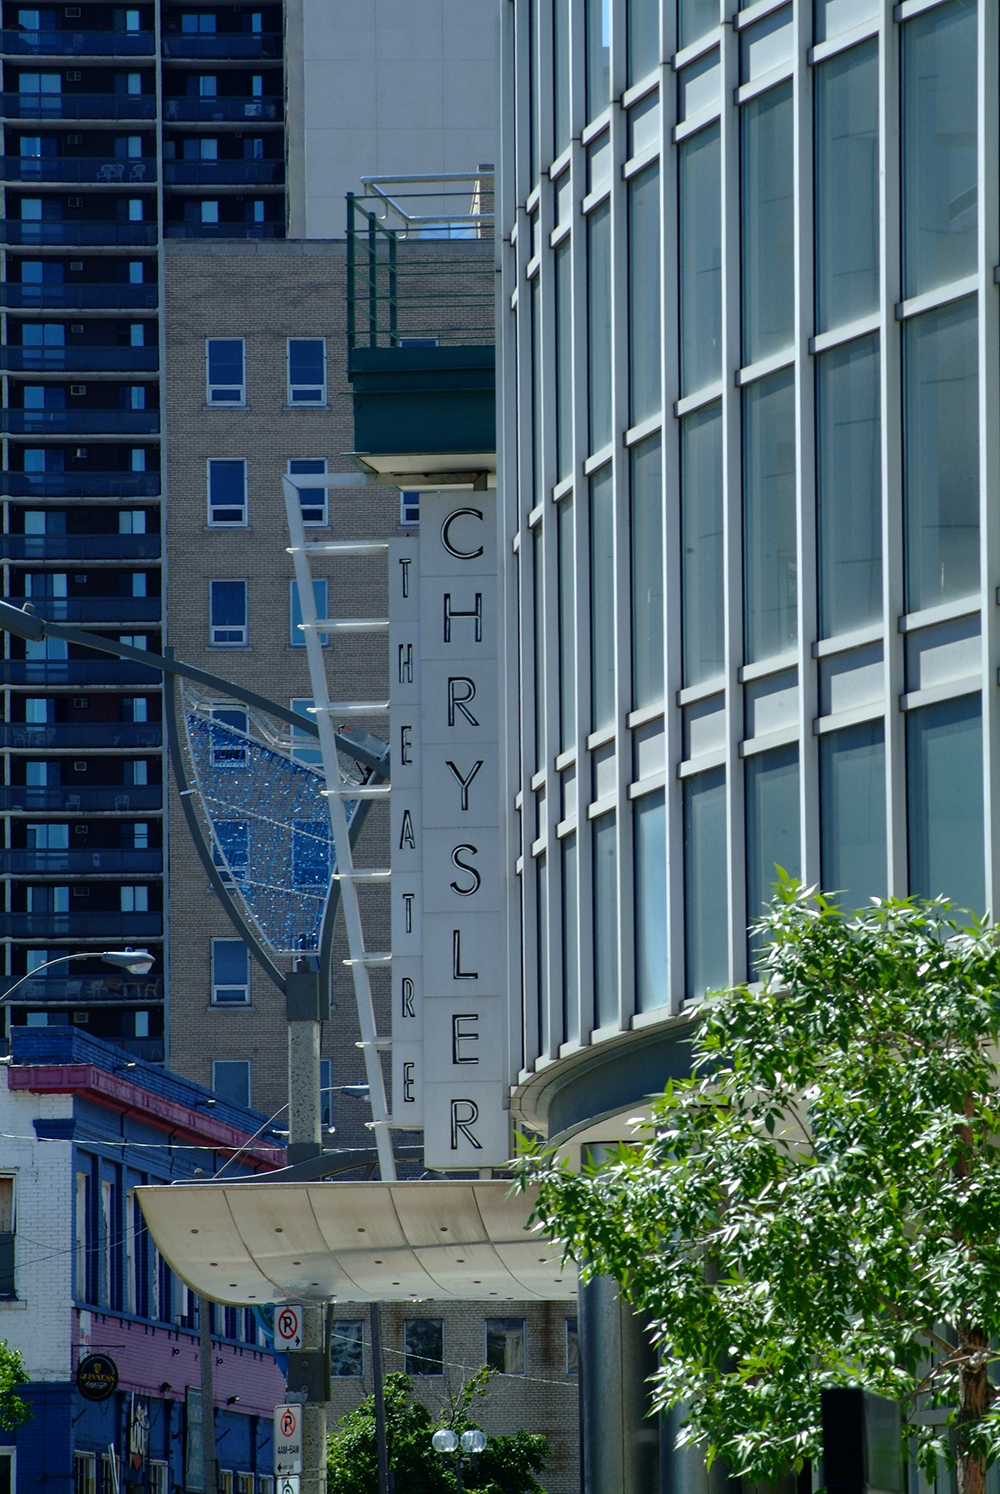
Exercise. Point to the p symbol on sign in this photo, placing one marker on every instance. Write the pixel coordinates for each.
(287, 1328)
(289, 1422)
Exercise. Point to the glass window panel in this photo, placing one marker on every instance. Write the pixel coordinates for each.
(769, 558)
(605, 848)
(532, 92)
(766, 46)
(699, 86)
(564, 360)
(700, 234)
(570, 933)
(505, 1345)
(560, 74)
(706, 932)
(695, 19)
(644, 124)
(768, 259)
(834, 17)
(647, 572)
(602, 599)
(566, 530)
(423, 1346)
(542, 953)
(598, 23)
(772, 811)
(644, 293)
(347, 1348)
(847, 177)
(643, 38)
(650, 830)
(939, 146)
(702, 588)
(941, 454)
(599, 325)
(538, 577)
(231, 1080)
(944, 747)
(849, 486)
(537, 448)
(599, 163)
(852, 813)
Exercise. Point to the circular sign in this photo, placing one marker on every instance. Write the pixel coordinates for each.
(97, 1377)
(289, 1422)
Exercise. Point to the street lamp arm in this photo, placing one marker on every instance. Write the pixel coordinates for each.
(135, 961)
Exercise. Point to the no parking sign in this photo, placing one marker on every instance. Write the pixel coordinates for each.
(287, 1440)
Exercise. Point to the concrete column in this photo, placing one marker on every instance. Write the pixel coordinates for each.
(314, 1412)
(620, 1442)
(304, 1138)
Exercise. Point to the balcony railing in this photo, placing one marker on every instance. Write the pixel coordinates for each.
(223, 230)
(80, 422)
(100, 863)
(75, 672)
(94, 609)
(77, 106)
(48, 736)
(32, 231)
(218, 111)
(79, 485)
(91, 169)
(96, 926)
(79, 359)
(73, 991)
(265, 44)
(223, 173)
(56, 295)
(18, 798)
(78, 43)
(79, 546)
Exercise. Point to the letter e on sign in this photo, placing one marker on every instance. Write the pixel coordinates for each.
(287, 1440)
(287, 1328)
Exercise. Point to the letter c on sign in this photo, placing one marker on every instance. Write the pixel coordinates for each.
(460, 513)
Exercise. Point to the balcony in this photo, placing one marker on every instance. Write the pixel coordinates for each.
(220, 111)
(236, 45)
(45, 106)
(94, 609)
(89, 169)
(80, 422)
(47, 736)
(103, 863)
(75, 672)
(79, 359)
(79, 485)
(75, 990)
(223, 173)
(99, 925)
(123, 235)
(56, 295)
(18, 798)
(79, 546)
(224, 230)
(78, 43)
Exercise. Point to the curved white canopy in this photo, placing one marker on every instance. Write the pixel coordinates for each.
(245, 1243)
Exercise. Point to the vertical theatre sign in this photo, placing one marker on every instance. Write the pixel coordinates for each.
(448, 1029)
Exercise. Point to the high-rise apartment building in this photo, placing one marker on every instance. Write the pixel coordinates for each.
(749, 463)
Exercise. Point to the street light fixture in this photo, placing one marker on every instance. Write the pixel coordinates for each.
(472, 1441)
(134, 961)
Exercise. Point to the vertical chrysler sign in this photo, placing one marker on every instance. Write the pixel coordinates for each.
(447, 1024)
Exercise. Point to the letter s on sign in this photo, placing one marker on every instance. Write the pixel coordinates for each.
(456, 860)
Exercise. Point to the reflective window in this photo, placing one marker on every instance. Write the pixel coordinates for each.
(605, 916)
(570, 930)
(768, 258)
(702, 577)
(644, 293)
(766, 46)
(562, 122)
(941, 455)
(769, 537)
(564, 360)
(296, 632)
(307, 370)
(599, 163)
(699, 85)
(939, 87)
(538, 583)
(598, 23)
(834, 17)
(647, 572)
(225, 370)
(706, 932)
(313, 500)
(772, 817)
(700, 246)
(227, 492)
(944, 779)
(599, 325)
(644, 125)
(602, 599)
(423, 1346)
(230, 972)
(347, 1348)
(227, 614)
(852, 813)
(566, 535)
(849, 486)
(231, 1080)
(537, 446)
(505, 1345)
(649, 823)
(542, 953)
(846, 184)
(643, 38)
(695, 19)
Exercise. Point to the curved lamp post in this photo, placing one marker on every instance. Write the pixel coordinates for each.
(471, 1442)
(134, 961)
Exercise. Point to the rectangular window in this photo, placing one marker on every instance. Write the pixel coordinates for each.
(7, 1239)
(847, 176)
(296, 633)
(939, 165)
(598, 24)
(605, 920)
(702, 576)
(706, 931)
(409, 510)
(423, 1346)
(225, 362)
(564, 359)
(852, 813)
(562, 118)
(230, 973)
(537, 389)
(700, 259)
(227, 614)
(566, 533)
(644, 294)
(307, 370)
(768, 257)
(769, 534)
(505, 1345)
(602, 598)
(599, 325)
(159, 1481)
(538, 584)
(572, 1347)
(944, 790)
(228, 734)
(131, 1296)
(313, 500)
(649, 826)
(81, 1239)
(646, 517)
(109, 1236)
(231, 1080)
(570, 939)
(849, 486)
(941, 454)
(227, 492)
(134, 899)
(772, 811)
(84, 1473)
(643, 38)
(347, 1349)
(545, 1044)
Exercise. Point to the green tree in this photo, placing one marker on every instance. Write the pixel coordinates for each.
(508, 1464)
(819, 1203)
(13, 1411)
